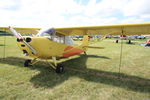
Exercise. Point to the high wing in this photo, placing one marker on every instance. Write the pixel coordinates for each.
(21, 30)
(120, 29)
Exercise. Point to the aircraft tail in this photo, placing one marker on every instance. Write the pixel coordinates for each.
(85, 43)
(85, 40)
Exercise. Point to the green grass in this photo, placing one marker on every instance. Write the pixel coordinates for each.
(92, 77)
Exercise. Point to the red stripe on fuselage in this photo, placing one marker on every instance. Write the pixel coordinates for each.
(71, 51)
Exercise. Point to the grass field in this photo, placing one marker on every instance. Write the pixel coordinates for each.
(86, 77)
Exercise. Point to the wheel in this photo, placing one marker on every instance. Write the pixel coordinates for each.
(85, 53)
(59, 69)
(27, 63)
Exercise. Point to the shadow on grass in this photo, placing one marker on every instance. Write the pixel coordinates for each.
(2, 45)
(48, 78)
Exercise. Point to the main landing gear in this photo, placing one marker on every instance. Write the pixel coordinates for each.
(30, 62)
(27, 63)
(57, 67)
(85, 53)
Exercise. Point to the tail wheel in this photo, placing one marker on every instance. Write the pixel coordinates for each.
(27, 63)
(59, 69)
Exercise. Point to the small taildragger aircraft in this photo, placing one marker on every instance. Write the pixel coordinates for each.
(56, 42)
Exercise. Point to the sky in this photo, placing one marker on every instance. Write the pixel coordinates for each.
(69, 13)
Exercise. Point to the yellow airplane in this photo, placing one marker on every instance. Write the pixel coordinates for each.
(56, 42)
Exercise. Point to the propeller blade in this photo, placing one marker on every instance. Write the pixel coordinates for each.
(30, 47)
(19, 36)
(15, 33)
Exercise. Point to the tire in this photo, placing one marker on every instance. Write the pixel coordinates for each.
(27, 63)
(85, 53)
(59, 69)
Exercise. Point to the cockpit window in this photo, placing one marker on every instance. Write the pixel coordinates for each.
(54, 36)
(48, 32)
(45, 34)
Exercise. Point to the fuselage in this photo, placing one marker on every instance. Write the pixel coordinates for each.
(47, 48)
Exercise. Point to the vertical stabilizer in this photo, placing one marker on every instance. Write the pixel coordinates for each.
(85, 40)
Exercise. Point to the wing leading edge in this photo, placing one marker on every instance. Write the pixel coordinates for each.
(120, 29)
(21, 30)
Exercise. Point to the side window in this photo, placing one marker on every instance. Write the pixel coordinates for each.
(58, 39)
(45, 34)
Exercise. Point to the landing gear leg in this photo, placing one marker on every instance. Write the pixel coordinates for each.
(29, 62)
(85, 53)
(57, 67)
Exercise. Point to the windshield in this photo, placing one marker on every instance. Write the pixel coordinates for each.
(47, 32)
(54, 36)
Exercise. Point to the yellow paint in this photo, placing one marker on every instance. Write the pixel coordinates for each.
(44, 47)
(126, 29)
(47, 48)
(85, 40)
(22, 30)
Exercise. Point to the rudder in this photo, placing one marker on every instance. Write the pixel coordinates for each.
(85, 40)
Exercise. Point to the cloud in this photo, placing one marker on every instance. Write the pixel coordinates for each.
(137, 8)
(104, 8)
(88, 21)
(145, 16)
(62, 13)
(39, 13)
(132, 20)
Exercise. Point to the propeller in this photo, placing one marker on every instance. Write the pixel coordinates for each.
(20, 37)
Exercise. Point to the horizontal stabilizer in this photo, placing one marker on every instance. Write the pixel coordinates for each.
(94, 47)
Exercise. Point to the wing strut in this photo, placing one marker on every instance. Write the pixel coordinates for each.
(4, 49)
(121, 51)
